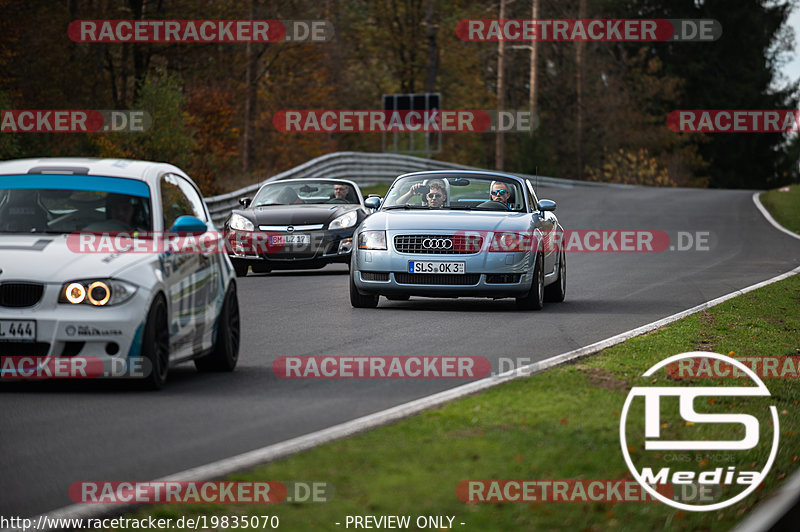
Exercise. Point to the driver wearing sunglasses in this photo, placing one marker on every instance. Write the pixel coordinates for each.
(500, 192)
(435, 197)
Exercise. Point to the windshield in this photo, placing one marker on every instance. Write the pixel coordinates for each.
(66, 203)
(306, 192)
(455, 193)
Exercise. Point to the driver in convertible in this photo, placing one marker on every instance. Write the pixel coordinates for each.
(500, 192)
(435, 198)
(340, 192)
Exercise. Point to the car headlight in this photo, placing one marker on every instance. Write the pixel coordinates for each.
(96, 292)
(372, 240)
(344, 221)
(240, 223)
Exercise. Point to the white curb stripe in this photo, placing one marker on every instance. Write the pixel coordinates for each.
(769, 217)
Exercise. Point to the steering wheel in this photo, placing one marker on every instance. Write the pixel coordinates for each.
(493, 206)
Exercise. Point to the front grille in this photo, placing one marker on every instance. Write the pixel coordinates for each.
(24, 349)
(500, 278)
(20, 295)
(460, 244)
(436, 278)
(374, 276)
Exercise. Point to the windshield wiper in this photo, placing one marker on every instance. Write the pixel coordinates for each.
(267, 204)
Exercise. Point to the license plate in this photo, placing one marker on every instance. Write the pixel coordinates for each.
(282, 240)
(426, 266)
(17, 330)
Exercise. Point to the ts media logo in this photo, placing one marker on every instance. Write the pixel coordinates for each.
(693, 438)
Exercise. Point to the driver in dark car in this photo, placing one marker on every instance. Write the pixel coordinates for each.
(340, 191)
(340, 194)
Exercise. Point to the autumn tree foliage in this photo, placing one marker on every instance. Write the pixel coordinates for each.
(213, 104)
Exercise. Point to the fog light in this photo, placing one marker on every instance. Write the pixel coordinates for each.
(346, 245)
(238, 249)
(112, 348)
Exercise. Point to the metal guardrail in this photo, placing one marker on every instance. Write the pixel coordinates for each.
(364, 169)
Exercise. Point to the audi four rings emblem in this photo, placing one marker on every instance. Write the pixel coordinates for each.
(437, 243)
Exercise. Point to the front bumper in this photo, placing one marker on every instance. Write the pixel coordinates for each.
(108, 336)
(494, 275)
(326, 247)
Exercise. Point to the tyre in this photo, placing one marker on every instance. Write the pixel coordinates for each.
(400, 297)
(240, 268)
(556, 291)
(358, 300)
(155, 345)
(226, 346)
(534, 300)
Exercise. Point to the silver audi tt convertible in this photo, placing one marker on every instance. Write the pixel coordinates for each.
(459, 234)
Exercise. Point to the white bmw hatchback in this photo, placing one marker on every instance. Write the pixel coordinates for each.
(114, 312)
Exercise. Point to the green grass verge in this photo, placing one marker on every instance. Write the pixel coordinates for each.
(784, 207)
(560, 424)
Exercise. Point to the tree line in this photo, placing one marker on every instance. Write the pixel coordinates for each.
(602, 106)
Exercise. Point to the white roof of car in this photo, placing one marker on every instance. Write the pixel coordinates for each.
(100, 167)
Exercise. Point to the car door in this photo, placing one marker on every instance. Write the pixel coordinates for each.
(548, 225)
(194, 286)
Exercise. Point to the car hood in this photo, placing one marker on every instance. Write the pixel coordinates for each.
(48, 258)
(296, 214)
(444, 220)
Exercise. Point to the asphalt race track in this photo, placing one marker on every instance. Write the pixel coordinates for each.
(55, 433)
